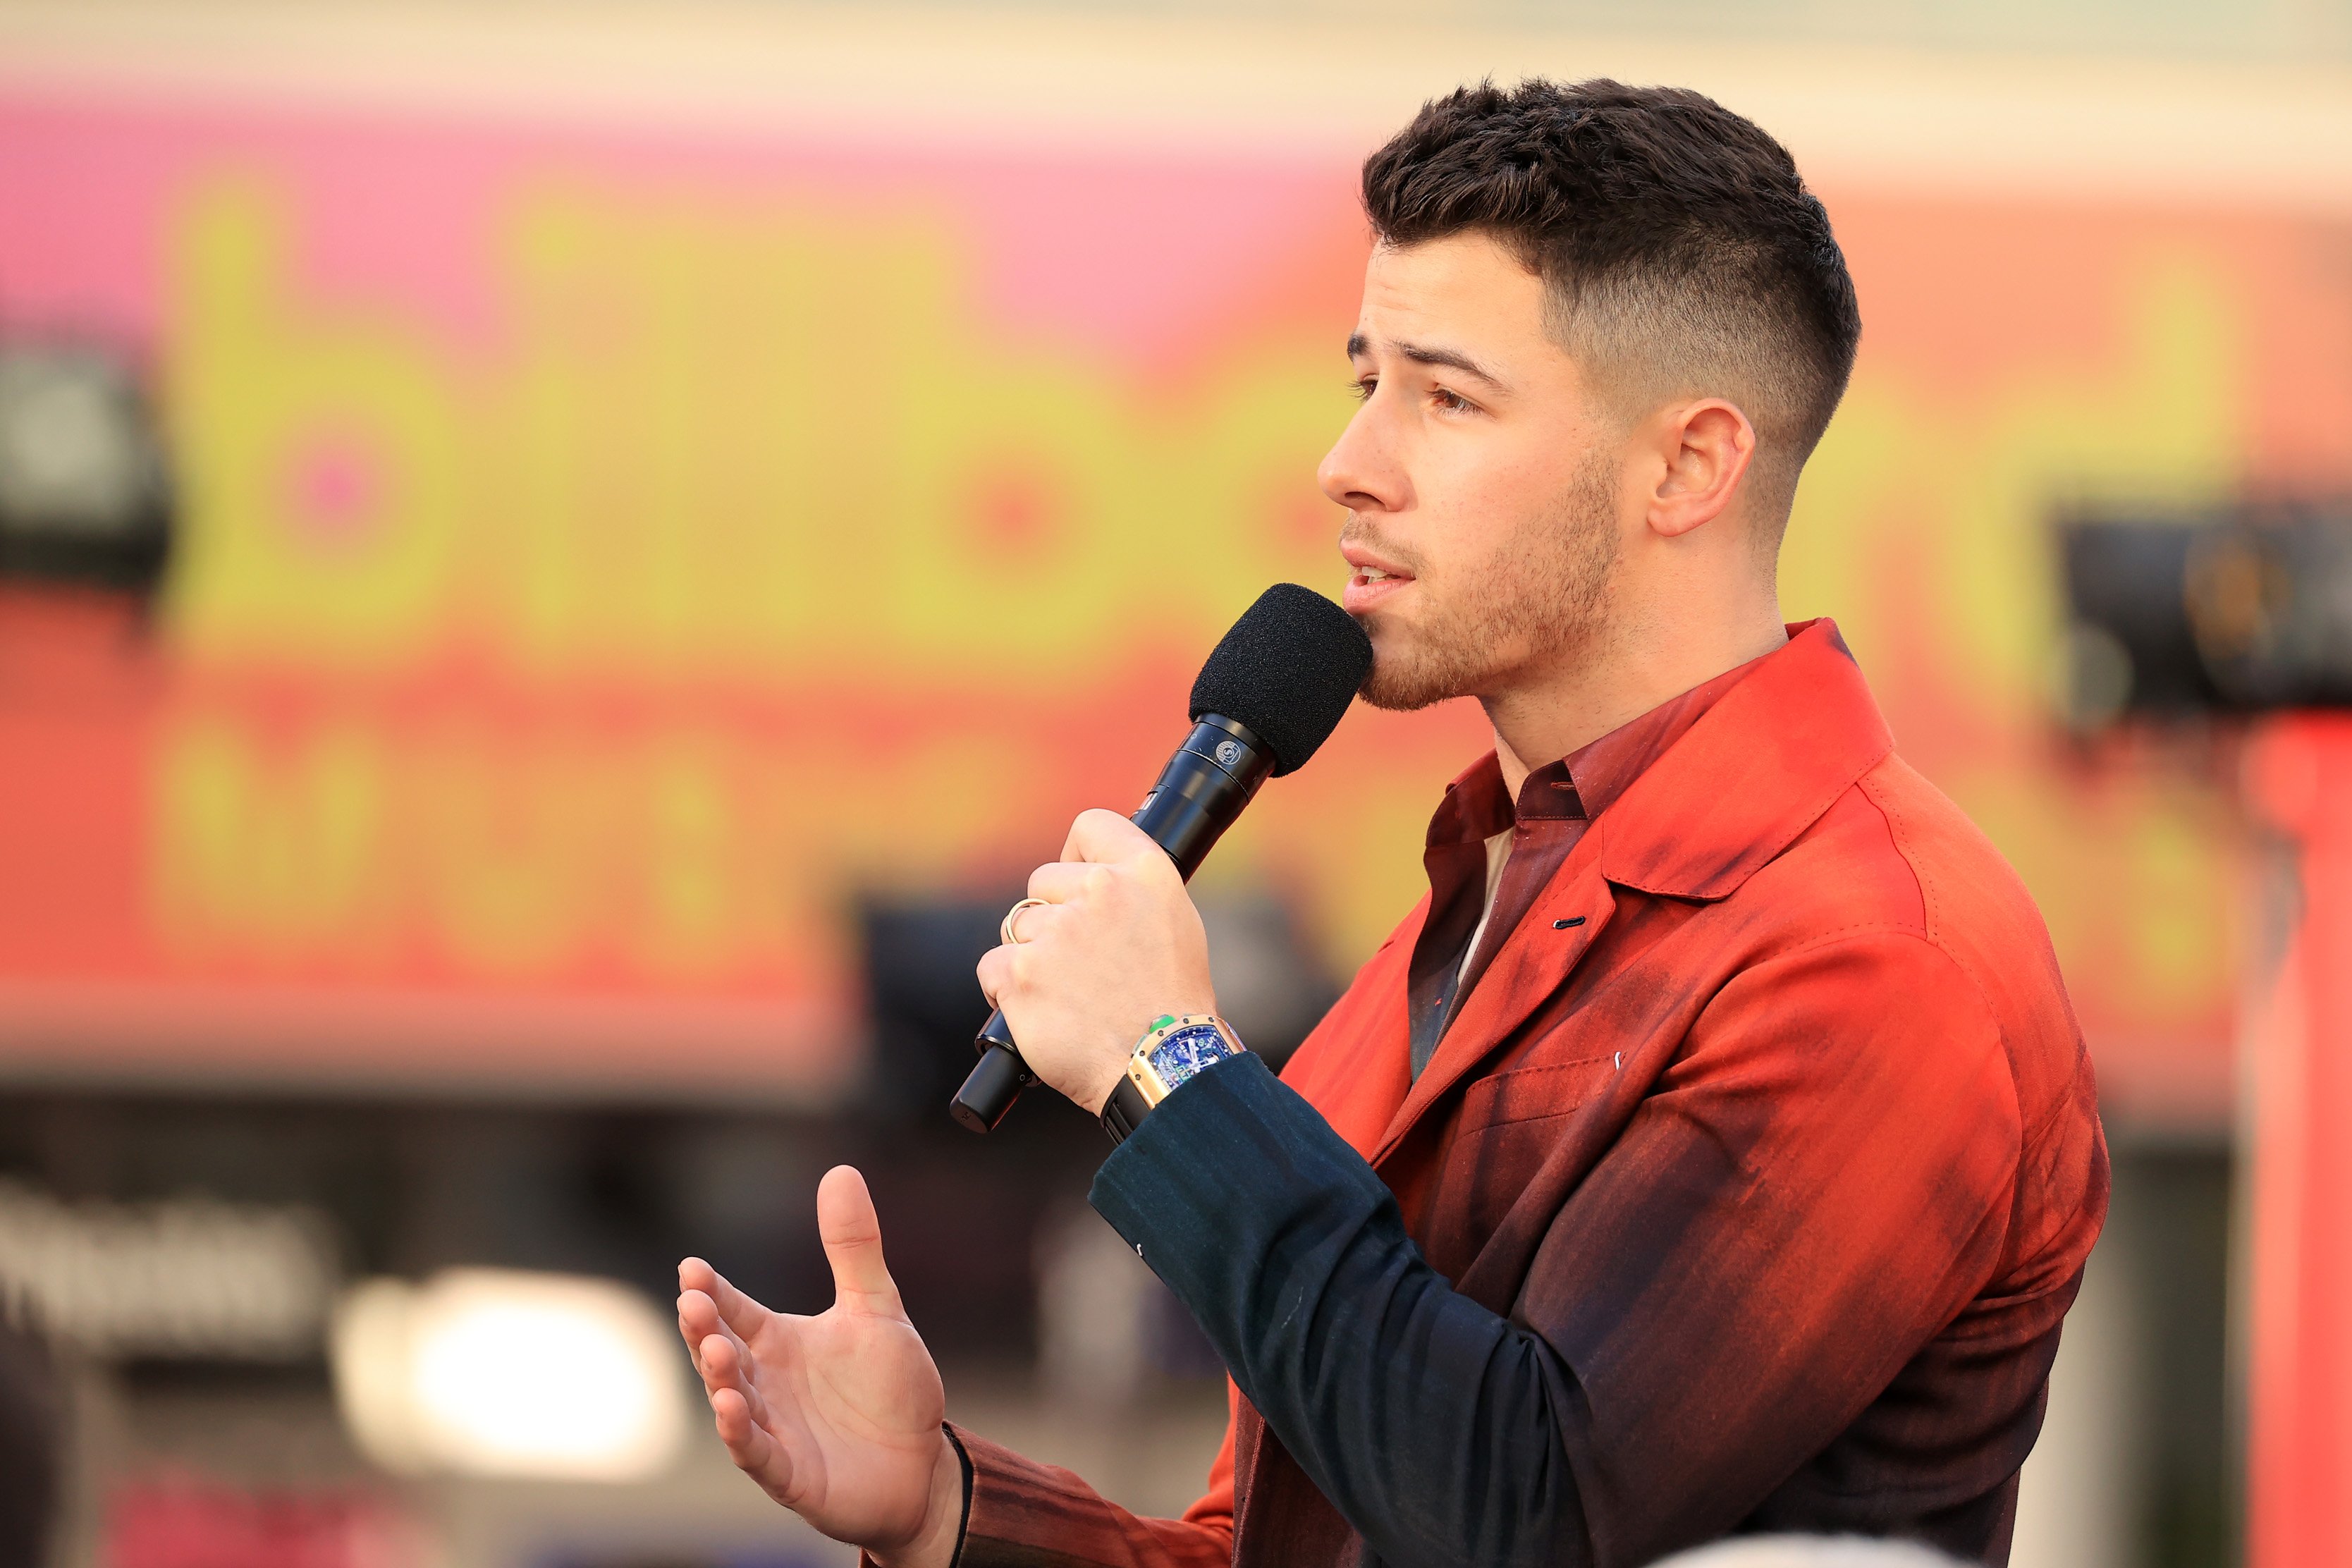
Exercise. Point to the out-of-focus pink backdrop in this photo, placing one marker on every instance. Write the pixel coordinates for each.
(604, 554)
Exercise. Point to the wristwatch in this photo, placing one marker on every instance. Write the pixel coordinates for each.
(1171, 1051)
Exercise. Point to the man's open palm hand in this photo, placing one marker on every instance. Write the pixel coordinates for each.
(838, 1416)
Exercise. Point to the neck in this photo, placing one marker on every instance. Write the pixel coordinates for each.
(1615, 678)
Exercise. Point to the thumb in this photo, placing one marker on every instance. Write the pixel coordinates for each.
(852, 1234)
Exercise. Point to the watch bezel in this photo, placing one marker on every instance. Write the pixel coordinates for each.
(1140, 1087)
(1145, 1074)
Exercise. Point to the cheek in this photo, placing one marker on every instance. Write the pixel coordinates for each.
(1524, 489)
(1480, 526)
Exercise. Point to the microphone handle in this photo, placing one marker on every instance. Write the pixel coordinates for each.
(1202, 790)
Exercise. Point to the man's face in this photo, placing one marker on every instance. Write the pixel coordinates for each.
(1480, 479)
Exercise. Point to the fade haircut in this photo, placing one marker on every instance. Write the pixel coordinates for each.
(1680, 254)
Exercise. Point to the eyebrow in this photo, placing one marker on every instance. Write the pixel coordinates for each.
(1421, 354)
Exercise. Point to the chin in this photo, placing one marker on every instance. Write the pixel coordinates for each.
(1403, 684)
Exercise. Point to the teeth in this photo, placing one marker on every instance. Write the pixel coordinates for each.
(1374, 574)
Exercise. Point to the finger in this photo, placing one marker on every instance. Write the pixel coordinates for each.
(995, 972)
(698, 1320)
(852, 1234)
(726, 1364)
(1000, 970)
(1037, 919)
(749, 1443)
(1057, 882)
(723, 1366)
(1101, 835)
(745, 1316)
(688, 1329)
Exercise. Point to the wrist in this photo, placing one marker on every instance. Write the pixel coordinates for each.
(1095, 1093)
(937, 1540)
(1103, 1073)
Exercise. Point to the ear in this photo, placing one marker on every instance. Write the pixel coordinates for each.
(1706, 446)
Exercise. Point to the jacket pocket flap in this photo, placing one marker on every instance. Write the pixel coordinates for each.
(1527, 1094)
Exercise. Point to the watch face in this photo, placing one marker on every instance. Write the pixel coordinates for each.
(1187, 1051)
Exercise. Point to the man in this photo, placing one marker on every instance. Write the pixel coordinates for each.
(1715, 1150)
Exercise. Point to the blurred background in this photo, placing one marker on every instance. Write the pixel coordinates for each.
(558, 562)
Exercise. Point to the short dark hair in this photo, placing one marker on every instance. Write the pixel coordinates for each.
(1681, 252)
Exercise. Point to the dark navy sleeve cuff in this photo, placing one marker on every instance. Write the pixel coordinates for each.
(1243, 1200)
(1232, 1146)
(1427, 1420)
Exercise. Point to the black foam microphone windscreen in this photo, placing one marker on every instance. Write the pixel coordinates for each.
(1287, 670)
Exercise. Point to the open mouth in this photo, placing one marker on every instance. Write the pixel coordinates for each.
(1370, 586)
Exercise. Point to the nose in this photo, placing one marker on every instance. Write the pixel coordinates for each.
(1363, 470)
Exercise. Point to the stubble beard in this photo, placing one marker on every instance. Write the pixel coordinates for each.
(1537, 600)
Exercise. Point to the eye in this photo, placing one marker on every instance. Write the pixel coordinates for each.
(1452, 402)
(1363, 386)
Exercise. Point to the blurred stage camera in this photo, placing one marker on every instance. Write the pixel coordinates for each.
(2238, 610)
(83, 494)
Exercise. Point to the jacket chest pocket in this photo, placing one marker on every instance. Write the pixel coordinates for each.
(1533, 1093)
(1510, 1125)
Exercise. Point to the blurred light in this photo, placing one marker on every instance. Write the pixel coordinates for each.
(82, 490)
(502, 1373)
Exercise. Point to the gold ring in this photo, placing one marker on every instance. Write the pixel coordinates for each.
(1011, 918)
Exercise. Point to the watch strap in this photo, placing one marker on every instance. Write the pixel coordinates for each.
(1124, 1112)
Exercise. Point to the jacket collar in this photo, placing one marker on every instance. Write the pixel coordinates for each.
(1583, 783)
(1757, 770)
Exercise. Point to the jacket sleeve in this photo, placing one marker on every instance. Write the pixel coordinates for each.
(1021, 1513)
(1807, 1194)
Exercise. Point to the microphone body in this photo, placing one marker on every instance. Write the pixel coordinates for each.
(1203, 789)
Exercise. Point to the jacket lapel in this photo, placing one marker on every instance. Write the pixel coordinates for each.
(1356, 1066)
(1755, 772)
(1535, 960)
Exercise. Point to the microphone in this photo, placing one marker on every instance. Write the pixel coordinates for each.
(1272, 692)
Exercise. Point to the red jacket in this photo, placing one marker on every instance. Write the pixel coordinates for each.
(1770, 1117)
